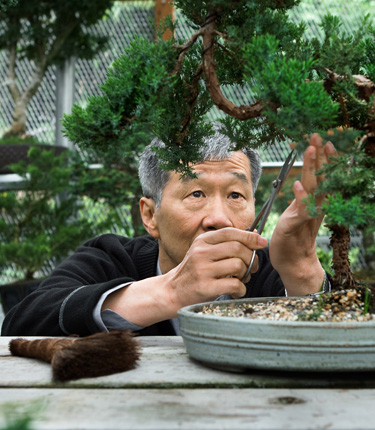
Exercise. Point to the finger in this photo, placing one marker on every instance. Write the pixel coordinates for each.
(231, 267)
(249, 239)
(232, 286)
(220, 287)
(330, 150)
(308, 177)
(233, 258)
(237, 267)
(317, 142)
(300, 194)
(239, 292)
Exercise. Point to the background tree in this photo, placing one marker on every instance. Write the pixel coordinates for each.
(37, 226)
(45, 216)
(295, 86)
(47, 33)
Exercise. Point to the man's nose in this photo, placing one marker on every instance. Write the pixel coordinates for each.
(216, 216)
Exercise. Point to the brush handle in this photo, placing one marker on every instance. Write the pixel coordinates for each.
(42, 349)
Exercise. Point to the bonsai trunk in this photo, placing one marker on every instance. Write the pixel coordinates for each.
(370, 144)
(369, 237)
(339, 241)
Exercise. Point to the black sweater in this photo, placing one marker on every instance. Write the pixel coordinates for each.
(64, 303)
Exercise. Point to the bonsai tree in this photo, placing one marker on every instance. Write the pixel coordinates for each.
(46, 33)
(294, 87)
(41, 223)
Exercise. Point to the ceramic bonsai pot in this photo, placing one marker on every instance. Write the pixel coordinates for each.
(242, 344)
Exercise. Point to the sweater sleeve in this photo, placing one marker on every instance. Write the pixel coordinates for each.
(64, 303)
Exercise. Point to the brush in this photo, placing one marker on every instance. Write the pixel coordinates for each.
(100, 354)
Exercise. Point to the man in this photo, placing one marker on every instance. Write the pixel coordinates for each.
(197, 250)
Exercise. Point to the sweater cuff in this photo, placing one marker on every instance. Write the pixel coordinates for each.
(77, 309)
(111, 320)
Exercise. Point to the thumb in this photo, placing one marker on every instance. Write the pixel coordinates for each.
(301, 196)
(299, 192)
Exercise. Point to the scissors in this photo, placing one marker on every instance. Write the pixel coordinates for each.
(266, 209)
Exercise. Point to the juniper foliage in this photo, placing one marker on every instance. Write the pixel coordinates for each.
(294, 86)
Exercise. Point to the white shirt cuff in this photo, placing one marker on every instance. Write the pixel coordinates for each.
(111, 320)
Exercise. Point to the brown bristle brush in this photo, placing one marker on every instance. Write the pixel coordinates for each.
(82, 357)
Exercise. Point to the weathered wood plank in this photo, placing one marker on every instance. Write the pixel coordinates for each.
(165, 364)
(193, 409)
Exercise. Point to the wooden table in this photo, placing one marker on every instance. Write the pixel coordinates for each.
(168, 390)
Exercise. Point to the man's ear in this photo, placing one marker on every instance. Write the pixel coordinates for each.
(147, 208)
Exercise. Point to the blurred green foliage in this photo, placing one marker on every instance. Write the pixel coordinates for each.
(42, 222)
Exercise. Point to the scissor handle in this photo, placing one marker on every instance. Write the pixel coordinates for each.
(250, 267)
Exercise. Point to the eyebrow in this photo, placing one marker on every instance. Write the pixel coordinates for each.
(241, 176)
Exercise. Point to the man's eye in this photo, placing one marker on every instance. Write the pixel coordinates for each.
(197, 194)
(235, 195)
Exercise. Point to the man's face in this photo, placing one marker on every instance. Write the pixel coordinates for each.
(221, 196)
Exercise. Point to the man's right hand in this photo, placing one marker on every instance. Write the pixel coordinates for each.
(215, 264)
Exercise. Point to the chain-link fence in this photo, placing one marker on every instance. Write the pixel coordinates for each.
(127, 19)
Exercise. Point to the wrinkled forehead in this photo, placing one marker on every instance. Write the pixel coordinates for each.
(236, 165)
(237, 160)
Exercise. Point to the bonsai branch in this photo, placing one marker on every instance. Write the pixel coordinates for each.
(242, 112)
(194, 92)
(345, 114)
(184, 48)
(224, 48)
(365, 86)
(209, 33)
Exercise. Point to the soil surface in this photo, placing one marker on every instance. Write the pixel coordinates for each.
(337, 306)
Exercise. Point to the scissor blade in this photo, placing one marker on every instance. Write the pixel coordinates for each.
(266, 209)
(258, 217)
(266, 213)
(288, 164)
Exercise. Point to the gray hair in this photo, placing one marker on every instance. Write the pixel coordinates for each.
(217, 147)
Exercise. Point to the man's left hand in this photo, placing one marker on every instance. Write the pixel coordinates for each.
(293, 243)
